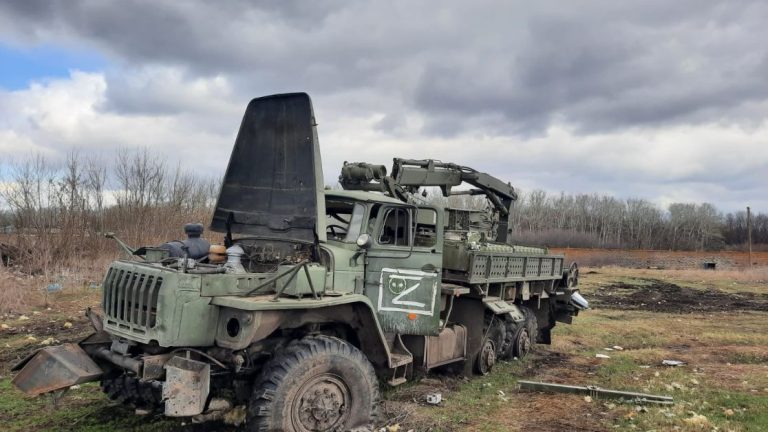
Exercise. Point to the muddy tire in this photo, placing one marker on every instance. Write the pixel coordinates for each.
(496, 330)
(511, 328)
(318, 383)
(492, 346)
(522, 343)
(521, 337)
(531, 323)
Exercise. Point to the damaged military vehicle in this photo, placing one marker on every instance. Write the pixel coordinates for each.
(315, 296)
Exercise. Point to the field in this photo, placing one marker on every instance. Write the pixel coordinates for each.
(664, 259)
(716, 322)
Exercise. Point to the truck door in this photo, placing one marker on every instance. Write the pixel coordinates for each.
(404, 266)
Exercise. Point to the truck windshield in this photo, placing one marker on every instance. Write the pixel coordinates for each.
(344, 220)
(355, 224)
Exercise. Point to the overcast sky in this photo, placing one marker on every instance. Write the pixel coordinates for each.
(665, 100)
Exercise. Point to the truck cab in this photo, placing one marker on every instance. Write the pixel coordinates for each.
(390, 251)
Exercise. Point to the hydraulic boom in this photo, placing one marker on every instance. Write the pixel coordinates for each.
(408, 175)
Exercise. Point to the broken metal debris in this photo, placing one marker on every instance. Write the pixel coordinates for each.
(596, 392)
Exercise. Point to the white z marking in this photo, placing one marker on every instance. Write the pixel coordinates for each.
(397, 300)
(413, 276)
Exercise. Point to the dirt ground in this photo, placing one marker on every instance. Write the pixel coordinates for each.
(716, 326)
(663, 296)
(719, 335)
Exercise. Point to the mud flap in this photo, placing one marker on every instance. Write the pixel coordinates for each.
(500, 307)
(55, 368)
(186, 387)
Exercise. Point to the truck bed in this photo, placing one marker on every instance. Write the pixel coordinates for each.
(499, 263)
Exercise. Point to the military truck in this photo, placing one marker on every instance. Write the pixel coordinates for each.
(316, 295)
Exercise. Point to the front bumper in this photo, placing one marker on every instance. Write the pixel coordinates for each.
(55, 368)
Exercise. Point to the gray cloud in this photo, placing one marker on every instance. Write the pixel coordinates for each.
(516, 67)
(608, 69)
(484, 83)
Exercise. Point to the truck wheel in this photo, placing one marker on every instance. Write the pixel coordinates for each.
(522, 344)
(511, 328)
(531, 323)
(318, 383)
(494, 332)
(486, 358)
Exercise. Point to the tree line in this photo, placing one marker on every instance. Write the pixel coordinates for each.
(602, 221)
(51, 213)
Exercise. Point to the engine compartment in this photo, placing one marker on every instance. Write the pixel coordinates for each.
(196, 255)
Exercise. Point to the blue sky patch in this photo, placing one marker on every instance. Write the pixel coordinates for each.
(21, 65)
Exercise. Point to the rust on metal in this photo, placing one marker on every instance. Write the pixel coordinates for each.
(154, 366)
(55, 368)
(449, 346)
(186, 387)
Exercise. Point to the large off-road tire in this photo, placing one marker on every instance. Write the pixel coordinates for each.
(531, 323)
(521, 337)
(496, 331)
(511, 328)
(318, 383)
(522, 343)
(492, 345)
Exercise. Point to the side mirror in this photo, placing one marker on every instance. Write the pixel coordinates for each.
(364, 241)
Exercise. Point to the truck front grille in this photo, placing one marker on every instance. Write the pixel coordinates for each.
(131, 299)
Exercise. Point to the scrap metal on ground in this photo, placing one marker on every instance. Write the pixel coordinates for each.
(596, 392)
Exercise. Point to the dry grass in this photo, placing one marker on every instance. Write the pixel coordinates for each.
(666, 259)
(754, 280)
(20, 292)
(723, 386)
(755, 274)
(16, 291)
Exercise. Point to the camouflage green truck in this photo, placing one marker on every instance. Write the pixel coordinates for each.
(316, 295)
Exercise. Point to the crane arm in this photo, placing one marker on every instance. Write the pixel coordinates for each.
(408, 175)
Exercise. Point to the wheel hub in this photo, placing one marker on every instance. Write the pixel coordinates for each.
(321, 404)
(487, 357)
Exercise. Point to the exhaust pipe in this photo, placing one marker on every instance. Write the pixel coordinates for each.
(578, 301)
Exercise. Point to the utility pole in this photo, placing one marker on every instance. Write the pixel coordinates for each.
(749, 235)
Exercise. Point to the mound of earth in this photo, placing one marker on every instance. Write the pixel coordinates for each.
(660, 296)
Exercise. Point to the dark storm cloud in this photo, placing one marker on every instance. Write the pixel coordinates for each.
(511, 67)
(606, 69)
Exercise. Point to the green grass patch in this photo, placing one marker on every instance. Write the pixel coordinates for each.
(748, 358)
(84, 409)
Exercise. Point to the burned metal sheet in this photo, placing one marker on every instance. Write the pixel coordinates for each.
(274, 176)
